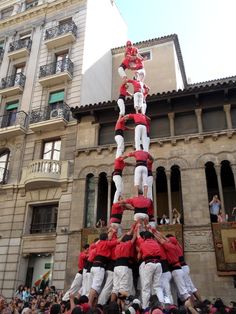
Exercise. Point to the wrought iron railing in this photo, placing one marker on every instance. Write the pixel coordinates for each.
(19, 44)
(3, 175)
(1, 53)
(14, 118)
(13, 80)
(31, 4)
(54, 111)
(43, 227)
(45, 166)
(56, 67)
(61, 29)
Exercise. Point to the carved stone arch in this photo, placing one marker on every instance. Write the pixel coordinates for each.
(203, 159)
(160, 162)
(85, 171)
(103, 168)
(177, 161)
(226, 156)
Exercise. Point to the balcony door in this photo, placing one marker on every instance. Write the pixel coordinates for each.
(17, 73)
(61, 61)
(9, 118)
(51, 152)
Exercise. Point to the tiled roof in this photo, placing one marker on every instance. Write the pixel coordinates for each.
(212, 85)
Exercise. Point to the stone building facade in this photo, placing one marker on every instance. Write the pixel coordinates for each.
(56, 166)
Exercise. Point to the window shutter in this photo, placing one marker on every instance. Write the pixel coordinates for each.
(12, 106)
(56, 97)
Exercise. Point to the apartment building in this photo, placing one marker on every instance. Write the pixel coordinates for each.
(59, 83)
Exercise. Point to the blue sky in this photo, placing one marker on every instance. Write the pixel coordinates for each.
(205, 28)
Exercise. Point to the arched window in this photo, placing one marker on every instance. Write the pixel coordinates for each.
(89, 201)
(4, 163)
(176, 192)
(228, 186)
(102, 198)
(162, 194)
(211, 178)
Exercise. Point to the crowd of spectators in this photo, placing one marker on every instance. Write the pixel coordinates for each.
(49, 301)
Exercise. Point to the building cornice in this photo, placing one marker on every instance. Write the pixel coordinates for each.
(42, 9)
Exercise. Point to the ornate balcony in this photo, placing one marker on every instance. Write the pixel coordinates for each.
(1, 53)
(19, 49)
(44, 173)
(13, 124)
(56, 72)
(50, 118)
(61, 35)
(12, 85)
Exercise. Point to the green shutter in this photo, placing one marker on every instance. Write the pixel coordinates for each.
(12, 106)
(56, 97)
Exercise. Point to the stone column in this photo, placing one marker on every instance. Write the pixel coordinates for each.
(221, 195)
(227, 109)
(171, 116)
(108, 199)
(96, 179)
(154, 194)
(63, 147)
(233, 167)
(198, 113)
(168, 176)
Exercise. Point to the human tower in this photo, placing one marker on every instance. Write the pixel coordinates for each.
(142, 262)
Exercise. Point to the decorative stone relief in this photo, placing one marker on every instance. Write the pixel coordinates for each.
(198, 240)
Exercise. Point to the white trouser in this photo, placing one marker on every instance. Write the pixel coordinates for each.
(140, 137)
(140, 75)
(178, 277)
(121, 72)
(121, 105)
(131, 282)
(117, 227)
(98, 274)
(166, 289)
(150, 278)
(188, 281)
(74, 288)
(149, 184)
(121, 280)
(87, 282)
(120, 145)
(140, 216)
(144, 107)
(140, 280)
(119, 187)
(140, 176)
(107, 289)
(138, 100)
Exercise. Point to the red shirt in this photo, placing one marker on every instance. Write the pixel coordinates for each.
(139, 63)
(139, 202)
(148, 247)
(92, 252)
(104, 247)
(136, 85)
(124, 249)
(120, 124)
(138, 118)
(149, 164)
(119, 164)
(171, 254)
(140, 155)
(123, 90)
(116, 213)
(145, 90)
(82, 260)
